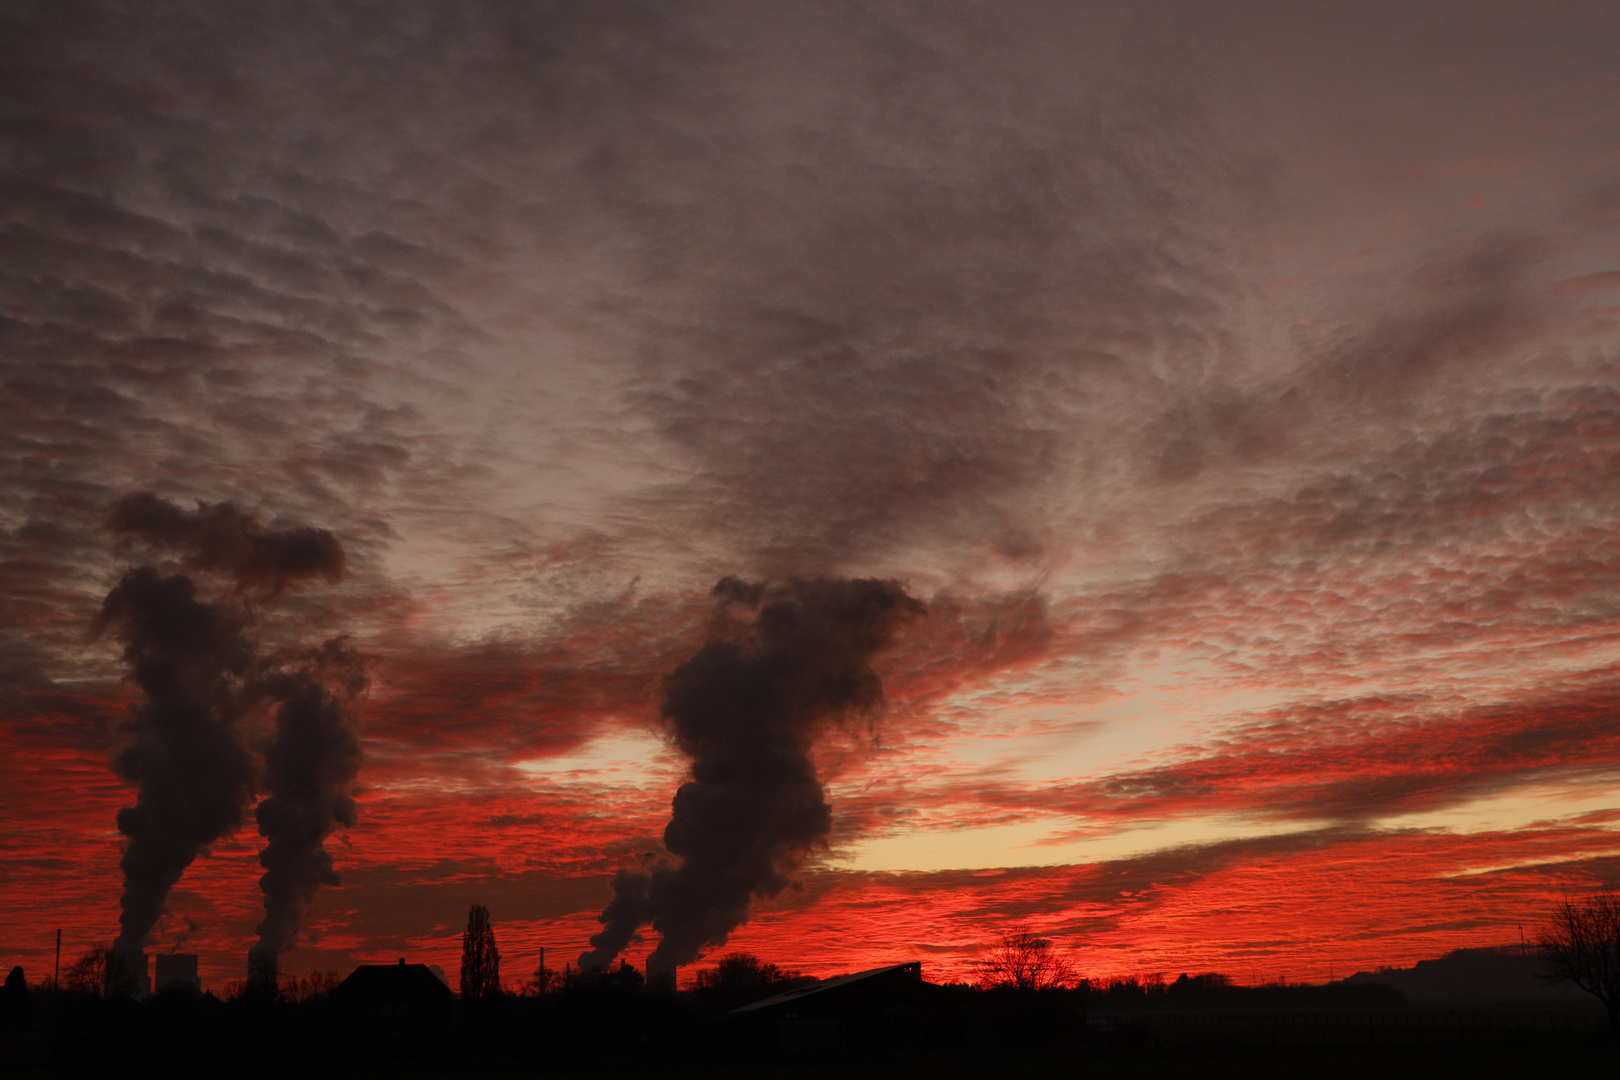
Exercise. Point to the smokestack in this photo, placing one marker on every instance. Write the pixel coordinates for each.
(782, 662)
(176, 970)
(308, 769)
(263, 972)
(126, 973)
(198, 671)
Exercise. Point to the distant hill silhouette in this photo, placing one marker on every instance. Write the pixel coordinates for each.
(1502, 974)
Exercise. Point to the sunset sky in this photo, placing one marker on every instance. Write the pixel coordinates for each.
(1236, 385)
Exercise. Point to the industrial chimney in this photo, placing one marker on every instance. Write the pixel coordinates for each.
(177, 970)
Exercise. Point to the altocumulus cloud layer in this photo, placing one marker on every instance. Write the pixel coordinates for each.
(1237, 390)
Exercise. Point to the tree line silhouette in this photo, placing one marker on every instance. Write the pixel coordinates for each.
(1025, 995)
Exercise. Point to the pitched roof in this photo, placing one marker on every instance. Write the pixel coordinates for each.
(822, 987)
(414, 981)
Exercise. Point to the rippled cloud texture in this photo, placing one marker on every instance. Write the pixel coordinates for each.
(1237, 389)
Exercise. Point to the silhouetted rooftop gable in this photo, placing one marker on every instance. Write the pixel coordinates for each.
(395, 991)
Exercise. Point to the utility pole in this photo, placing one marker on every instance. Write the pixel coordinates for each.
(56, 979)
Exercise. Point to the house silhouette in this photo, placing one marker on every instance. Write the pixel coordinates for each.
(394, 999)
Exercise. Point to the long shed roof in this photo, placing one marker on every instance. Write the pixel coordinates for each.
(913, 968)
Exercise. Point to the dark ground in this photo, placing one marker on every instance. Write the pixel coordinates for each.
(598, 1030)
(1573, 1057)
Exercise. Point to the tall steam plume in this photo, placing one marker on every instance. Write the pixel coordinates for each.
(191, 660)
(199, 672)
(221, 538)
(747, 708)
(307, 770)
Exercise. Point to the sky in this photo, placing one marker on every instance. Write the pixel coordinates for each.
(1232, 390)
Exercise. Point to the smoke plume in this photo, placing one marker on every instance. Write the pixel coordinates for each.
(221, 538)
(781, 663)
(191, 927)
(199, 672)
(307, 771)
(191, 660)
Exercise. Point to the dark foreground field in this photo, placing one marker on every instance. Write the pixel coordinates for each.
(1557, 1057)
(856, 1027)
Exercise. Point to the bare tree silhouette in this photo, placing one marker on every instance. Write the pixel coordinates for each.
(88, 974)
(1581, 944)
(101, 972)
(480, 959)
(312, 987)
(1025, 961)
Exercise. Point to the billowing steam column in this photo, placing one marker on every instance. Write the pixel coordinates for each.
(191, 660)
(307, 770)
(200, 672)
(782, 662)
